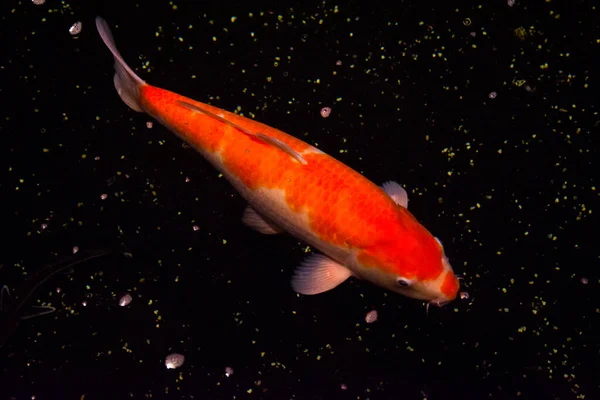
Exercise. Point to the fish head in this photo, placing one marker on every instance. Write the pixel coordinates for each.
(417, 268)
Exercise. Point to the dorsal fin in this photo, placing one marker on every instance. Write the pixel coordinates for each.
(261, 136)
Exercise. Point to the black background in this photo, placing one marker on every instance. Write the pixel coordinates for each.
(507, 183)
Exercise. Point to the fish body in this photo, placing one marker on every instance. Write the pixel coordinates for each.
(363, 230)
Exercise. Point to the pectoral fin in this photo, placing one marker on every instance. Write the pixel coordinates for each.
(396, 192)
(318, 274)
(259, 223)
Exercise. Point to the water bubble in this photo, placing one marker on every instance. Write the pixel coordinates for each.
(371, 316)
(125, 300)
(174, 360)
(75, 29)
(325, 111)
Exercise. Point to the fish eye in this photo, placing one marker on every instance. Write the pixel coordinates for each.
(402, 282)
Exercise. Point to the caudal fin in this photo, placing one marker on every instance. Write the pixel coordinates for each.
(126, 81)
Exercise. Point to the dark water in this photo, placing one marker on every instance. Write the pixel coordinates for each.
(487, 113)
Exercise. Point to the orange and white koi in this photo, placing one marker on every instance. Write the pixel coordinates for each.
(363, 230)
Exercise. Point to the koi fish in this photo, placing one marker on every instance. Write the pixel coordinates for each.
(363, 230)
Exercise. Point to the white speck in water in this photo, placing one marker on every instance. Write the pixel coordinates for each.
(58, 290)
(103, 196)
(464, 295)
(174, 360)
(371, 316)
(343, 386)
(149, 124)
(338, 62)
(493, 95)
(228, 371)
(44, 226)
(125, 300)
(75, 29)
(187, 179)
(325, 111)
(510, 2)
(75, 249)
(584, 281)
(196, 228)
(84, 303)
(38, 2)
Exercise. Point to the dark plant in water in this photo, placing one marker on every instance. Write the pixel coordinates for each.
(12, 303)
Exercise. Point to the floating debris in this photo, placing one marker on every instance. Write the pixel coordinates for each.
(38, 2)
(464, 295)
(174, 360)
(75, 29)
(75, 249)
(228, 371)
(125, 300)
(325, 111)
(492, 95)
(103, 196)
(371, 316)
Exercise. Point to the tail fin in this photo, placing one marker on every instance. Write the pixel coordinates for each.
(126, 81)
